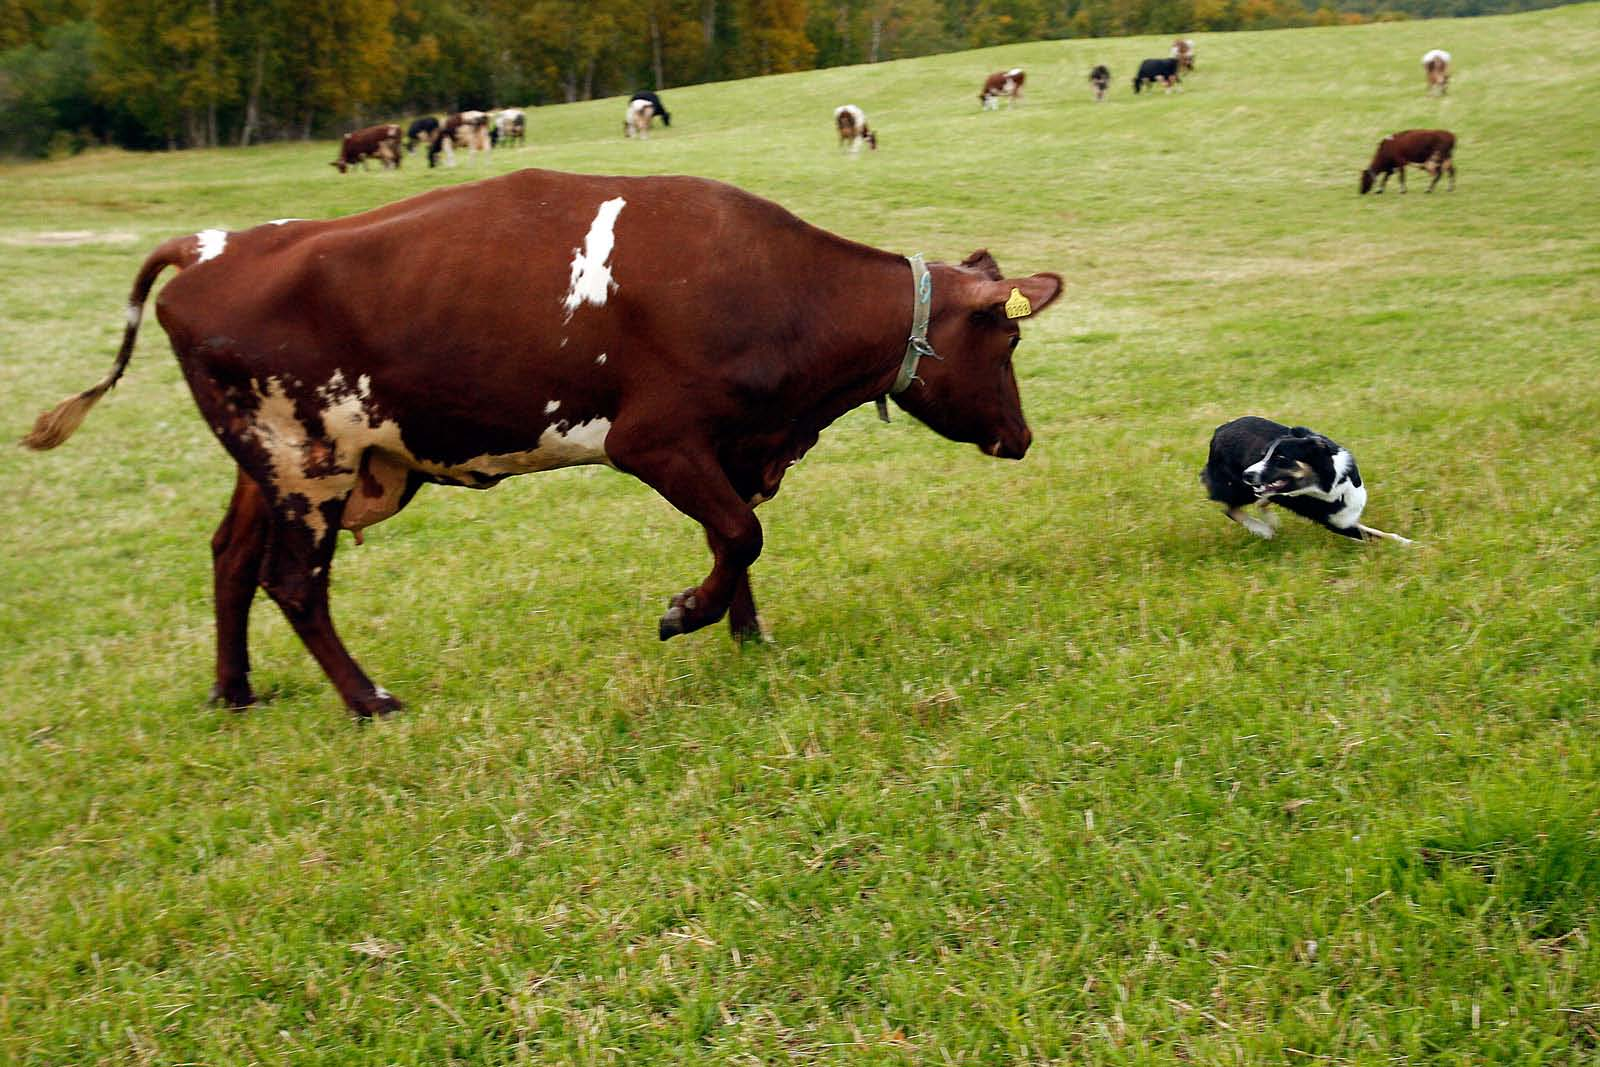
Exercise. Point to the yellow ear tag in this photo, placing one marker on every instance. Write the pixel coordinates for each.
(1017, 306)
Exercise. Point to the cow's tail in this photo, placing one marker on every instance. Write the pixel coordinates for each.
(60, 422)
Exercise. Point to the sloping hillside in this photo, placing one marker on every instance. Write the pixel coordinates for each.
(1049, 762)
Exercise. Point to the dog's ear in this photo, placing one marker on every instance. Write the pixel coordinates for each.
(1301, 431)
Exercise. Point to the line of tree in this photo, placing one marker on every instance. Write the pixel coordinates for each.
(193, 73)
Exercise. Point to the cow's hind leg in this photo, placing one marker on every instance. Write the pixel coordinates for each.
(237, 549)
(296, 574)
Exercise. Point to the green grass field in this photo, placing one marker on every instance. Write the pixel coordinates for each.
(1049, 763)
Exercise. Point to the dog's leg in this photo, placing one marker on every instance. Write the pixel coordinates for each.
(1372, 534)
(1261, 529)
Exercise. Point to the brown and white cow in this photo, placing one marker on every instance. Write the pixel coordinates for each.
(1006, 84)
(636, 119)
(1436, 67)
(1432, 150)
(658, 330)
(851, 122)
(374, 142)
(467, 130)
(1183, 52)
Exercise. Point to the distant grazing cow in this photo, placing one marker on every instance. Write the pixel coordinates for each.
(511, 127)
(467, 130)
(375, 142)
(655, 102)
(1183, 52)
(636, 120)
(1436, 65)
(422, 129)
(1164, 71)
(1432, 150)
(1005, 84)
(851, 122)
(315, 353)
(1100, 80)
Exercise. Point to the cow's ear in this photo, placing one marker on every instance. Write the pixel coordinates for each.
(1017, 298)
(984, 263)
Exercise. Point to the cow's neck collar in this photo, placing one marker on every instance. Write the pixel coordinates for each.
(917, 345)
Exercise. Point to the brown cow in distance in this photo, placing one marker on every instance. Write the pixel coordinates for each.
(1432, 150)
(659, 329)
(1005, 84)
(375, 142)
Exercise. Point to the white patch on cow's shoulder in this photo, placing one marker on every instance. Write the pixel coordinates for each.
(1013, 72)
(552, 407)
(283, 222)
(591, 273)
(135, 313)
(212, 242)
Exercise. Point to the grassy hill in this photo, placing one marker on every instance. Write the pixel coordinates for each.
(1049, 762)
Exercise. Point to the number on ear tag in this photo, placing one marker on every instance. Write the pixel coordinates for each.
(1017, 306)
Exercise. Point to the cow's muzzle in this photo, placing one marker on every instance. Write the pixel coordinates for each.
(1011, 446)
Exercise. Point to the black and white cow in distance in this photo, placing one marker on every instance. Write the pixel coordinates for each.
(640, 339)
(659, 109)
(422, 130)
(509, 128)
(1164, 71)
(1100, 81)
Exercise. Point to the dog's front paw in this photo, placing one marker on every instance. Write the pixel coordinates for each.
(1259, 527)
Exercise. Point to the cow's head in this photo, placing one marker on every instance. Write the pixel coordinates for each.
(1366, 181)
(969, 393)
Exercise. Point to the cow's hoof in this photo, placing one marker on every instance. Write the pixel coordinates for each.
(235, 696)
(677, 619)
(378, 704)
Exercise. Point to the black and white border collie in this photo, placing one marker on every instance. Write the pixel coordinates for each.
(1255, 460)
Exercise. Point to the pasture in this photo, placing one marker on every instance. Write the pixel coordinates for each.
(1048, 761)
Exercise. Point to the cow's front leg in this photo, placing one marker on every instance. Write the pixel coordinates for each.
(691, 480)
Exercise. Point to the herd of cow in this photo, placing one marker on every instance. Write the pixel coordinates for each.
(1432, 150)
(658, 330)
(470, 131)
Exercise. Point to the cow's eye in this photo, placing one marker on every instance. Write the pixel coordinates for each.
(1016, 339)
